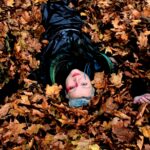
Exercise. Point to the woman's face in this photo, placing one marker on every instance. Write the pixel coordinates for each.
(78, 84)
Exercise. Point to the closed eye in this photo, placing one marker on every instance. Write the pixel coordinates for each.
(70, 88)
(83, 84)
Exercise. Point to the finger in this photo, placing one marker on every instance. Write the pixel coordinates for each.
(136, 99)
(147, 96)
(144, 100)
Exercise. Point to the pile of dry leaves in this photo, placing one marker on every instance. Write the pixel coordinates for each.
(37, 117)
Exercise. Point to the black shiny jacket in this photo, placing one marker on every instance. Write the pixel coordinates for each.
(68, 46)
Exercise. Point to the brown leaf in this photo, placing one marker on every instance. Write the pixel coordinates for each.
(25, 18)
(34, 129)
(48, 138)
(141, 110)
(94, 147)
(15, 128)
(4, 109)
(109, 106)
(99, 80)
(116, 79)
(139, 121)
(142, 40)
(145, 130)
(9, 3)
(146, 10)
(140, 142)
(25, 99)
(36, 112)
(146, 147)
(38, 1)
(82, 144)
(122, 133)
(53, 91)
(121, 115)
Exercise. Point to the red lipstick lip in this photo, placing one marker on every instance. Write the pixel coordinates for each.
(75, 74)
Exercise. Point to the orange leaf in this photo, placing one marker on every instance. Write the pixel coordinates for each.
(142, 40)
(99, 80)
(116, 79)
(9, 3)
(53, 91)
(140, 142)
(34, 129)
(4, 109)
(145, 130)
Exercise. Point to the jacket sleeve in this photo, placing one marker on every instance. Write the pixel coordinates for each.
(139, 86)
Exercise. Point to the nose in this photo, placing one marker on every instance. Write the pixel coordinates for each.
(77, 79)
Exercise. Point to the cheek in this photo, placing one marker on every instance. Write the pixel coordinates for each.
(67, 82)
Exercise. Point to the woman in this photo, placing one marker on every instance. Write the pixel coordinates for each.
(70, 51)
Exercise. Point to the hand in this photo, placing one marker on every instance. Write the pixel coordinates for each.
(145, 98)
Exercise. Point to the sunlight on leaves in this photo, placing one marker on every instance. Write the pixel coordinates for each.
(145, 131)
(116, 79)
(53, 91)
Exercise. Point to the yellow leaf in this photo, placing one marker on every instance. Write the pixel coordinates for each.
(94, 147)
(135, 22)
(147, 32)
(140, 142)
(116, 79)
(94, 27)
(25, 100)
(9, 3)
(48, 138)
(146, 131)
(108, 50)
(142, 40)
(34, 128)
(38, 1)
(106, 125)
(121, 115)
(83, 14)
(148, 74)
(53, 91)
(139, 121)
(99, 80)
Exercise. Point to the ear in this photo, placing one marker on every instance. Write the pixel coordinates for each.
(67, 96)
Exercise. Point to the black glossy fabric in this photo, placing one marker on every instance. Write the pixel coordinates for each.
(68, 46)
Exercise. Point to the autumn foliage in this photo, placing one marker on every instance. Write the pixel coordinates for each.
(38, 117)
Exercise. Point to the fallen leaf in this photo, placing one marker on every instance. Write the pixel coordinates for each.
(141, 111)
(145, 131)
(122, 133)
(121, 115)
(53, 91)
(4, 110)
(109, 106)
(142, 40)
(99, 80)
(9, 3)
(82, 144)
(146, 147)
(140, 142)
(116, 79)
(25, 100)
(94, 147)
(34, 129)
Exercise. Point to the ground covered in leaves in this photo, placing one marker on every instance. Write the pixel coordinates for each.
(37, 117)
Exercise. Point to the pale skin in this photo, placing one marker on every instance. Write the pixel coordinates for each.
(79, 85)
(145, 98)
